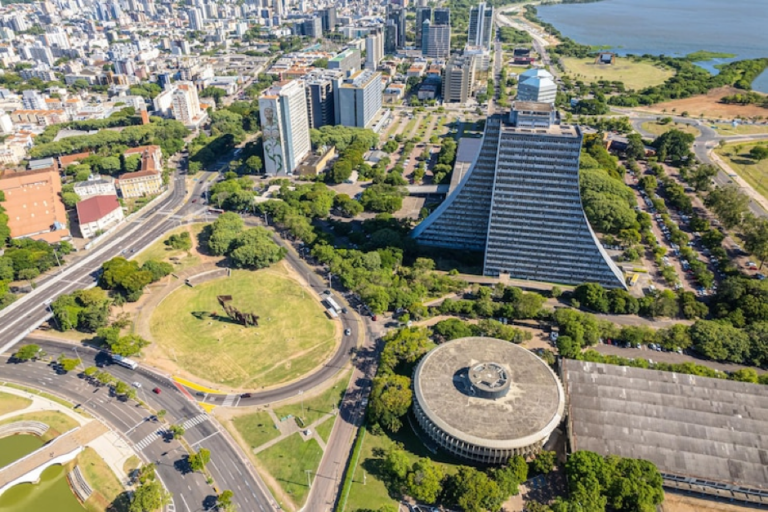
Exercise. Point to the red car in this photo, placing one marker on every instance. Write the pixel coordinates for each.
(156, 391)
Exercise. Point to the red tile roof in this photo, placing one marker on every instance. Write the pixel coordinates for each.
(95, 208)
(67, 160)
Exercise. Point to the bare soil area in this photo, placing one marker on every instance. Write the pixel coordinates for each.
(709, 106)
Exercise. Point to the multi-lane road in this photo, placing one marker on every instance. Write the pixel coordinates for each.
(190, 491)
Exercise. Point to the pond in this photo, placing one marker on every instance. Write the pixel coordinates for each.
(15, 447)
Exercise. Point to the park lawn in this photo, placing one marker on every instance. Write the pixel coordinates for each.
(181, 259)
(373, 494)
(755, 173)
(10, 403)
(659, 129)
(58, 423)
(105, 485)
(256, 429)
(317, 406)
(131, 464)
(287, 462)
(293, 337)
(48, 396)
(324, 429)
(634, 75)
(742, 129)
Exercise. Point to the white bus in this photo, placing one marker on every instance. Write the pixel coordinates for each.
(332, 304)
(124, 361)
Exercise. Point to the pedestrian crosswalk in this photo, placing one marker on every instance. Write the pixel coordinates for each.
(194, 421)
(157, 434)
(229, 400)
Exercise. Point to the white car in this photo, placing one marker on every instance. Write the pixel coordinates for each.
(136, 384)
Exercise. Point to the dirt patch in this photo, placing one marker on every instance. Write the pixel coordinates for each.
(709, 106)
(679, 503)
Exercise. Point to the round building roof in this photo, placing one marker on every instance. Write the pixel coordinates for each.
(489, 392)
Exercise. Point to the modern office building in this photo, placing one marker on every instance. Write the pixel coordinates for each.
(520, 204)
(347, 61)
(397, 15)
(312, 27)
(435, 40)
(422, 14)
(485, 400)
(481, 26)
(390, 38)
(322, 87)
(374, 49)
(360, 99)
(458, 79)
(442, 16)
(285, 125)
(537, 85)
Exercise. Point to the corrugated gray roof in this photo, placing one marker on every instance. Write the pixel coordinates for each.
(711, 429)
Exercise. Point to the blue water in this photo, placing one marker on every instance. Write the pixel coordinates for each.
(669, 27)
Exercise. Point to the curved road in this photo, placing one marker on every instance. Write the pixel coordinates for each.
(136, 425)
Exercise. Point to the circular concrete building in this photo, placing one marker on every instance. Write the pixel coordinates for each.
(485, 400)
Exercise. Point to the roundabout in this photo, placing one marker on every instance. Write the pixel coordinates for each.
(192, 331)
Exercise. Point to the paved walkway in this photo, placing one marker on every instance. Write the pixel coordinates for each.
(289, 427)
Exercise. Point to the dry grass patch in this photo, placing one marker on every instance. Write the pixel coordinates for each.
(11, 403)
(634, 74)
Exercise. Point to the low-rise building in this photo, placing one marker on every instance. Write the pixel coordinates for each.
(96, 186)
(140, 183)
(315, 164)
(97, 214)
(153, 152)
(33, 204)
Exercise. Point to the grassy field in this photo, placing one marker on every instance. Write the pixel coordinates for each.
(324, 429)
(755, 173)
(287, 462)
(180, 259)
(742, 129)
(48, 396)
(658, 129)
(256, 429)
(57, 422)
(10, 403)
(635, 75)
(106, 487)
(318, 406)
(293, 337)
(131, 464)
(374, 493)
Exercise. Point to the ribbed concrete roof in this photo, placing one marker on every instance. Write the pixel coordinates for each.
(711, 429)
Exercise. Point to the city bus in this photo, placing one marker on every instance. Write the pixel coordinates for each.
(124, 361)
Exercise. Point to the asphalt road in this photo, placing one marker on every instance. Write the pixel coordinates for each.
(190, 491)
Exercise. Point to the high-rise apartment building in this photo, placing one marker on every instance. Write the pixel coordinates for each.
(458, 79)
(347, 61)
(33, 100)
(435, 40)
(442, 16)
(285, 127)
(185, 104)
(520, 204)
(390, 37)
(397, 15)
(322, 88)
(360, 99)
(195, 15)
(374, 49)
(39, 53)
(481, 26)
(329, 19)
(313, 27)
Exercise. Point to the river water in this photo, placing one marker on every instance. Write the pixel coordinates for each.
(51, 494)
(669, 27)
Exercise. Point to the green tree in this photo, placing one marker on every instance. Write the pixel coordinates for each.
(424, 482)
(224, 499)
(254, 165)
(27, 352)
(396, 463)
(128, 345)
(473, 491)
(759, 153)
(149, 497)
(70, 199)
(197, 461)
(391, 397)
(68, 364)
(729, 204)
(176, 431)
(255, 248)
(544, 462)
